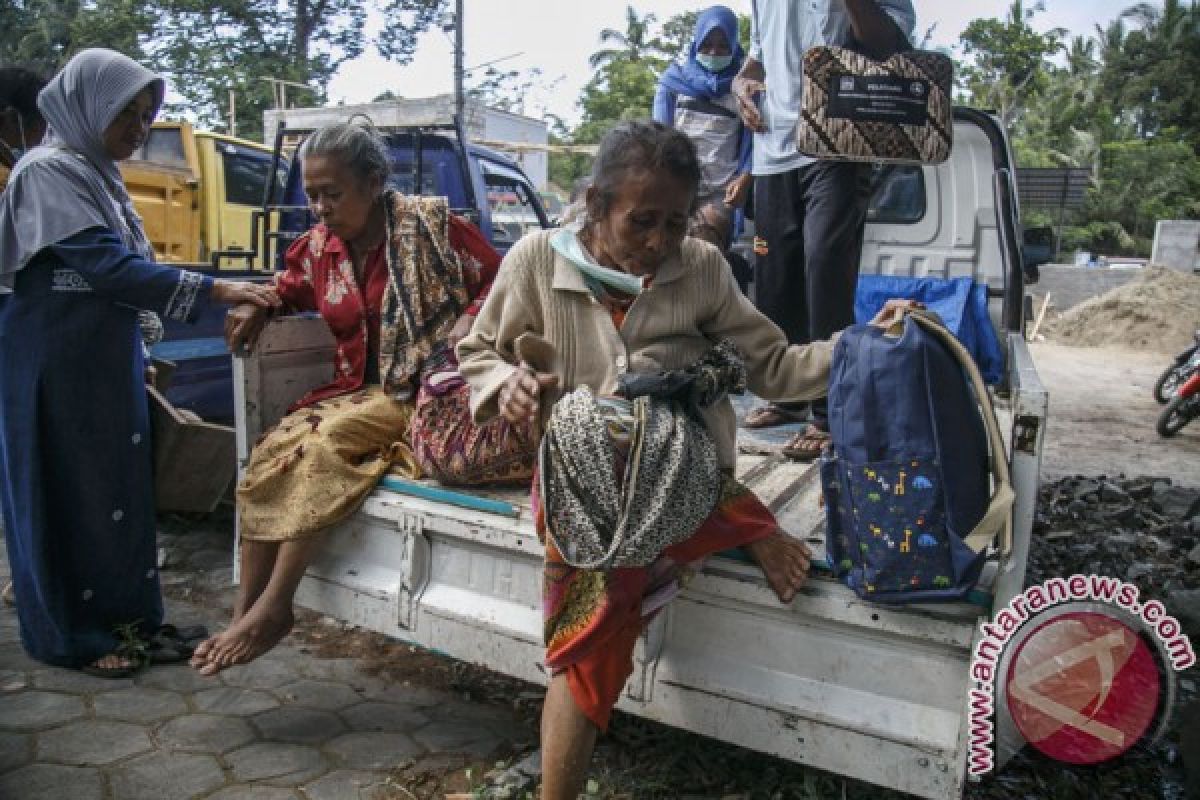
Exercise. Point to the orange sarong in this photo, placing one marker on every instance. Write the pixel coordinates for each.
(593, 618)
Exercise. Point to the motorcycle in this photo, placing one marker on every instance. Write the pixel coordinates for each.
(1184, 406)
(1185, 364)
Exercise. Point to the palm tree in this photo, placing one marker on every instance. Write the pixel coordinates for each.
(1158, 54)
(634, 45)
(1167, 24)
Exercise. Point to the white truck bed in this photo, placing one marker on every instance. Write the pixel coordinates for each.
(868, 691)
(829, 680)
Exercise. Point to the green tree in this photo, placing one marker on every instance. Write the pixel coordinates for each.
(1064, 126)
(1008, 61)
(1140, 182)
(565, 167)
(634, 44)
(210, 48)
(622, 90)
(1123, 104)
(1154, 73)
(43, 34)
(1143, 181)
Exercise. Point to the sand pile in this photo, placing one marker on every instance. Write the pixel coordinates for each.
(1158, 311)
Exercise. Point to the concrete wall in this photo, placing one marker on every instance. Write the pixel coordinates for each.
(502, 126)
(1072, 285)
(1177, 244)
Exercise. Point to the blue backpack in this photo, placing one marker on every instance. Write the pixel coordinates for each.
(916, 485)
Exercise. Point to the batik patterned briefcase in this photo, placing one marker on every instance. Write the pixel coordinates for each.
(858, 109)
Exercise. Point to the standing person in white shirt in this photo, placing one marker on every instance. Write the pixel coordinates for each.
(809, 214)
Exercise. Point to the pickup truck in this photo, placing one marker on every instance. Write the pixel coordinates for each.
(877, 693)
(196, 192)
(427, 159)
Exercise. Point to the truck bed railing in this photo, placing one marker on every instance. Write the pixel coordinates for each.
(270, 241)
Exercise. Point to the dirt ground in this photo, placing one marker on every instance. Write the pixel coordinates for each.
(1102, 415)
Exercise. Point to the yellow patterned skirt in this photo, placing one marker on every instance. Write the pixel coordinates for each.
(314, 469)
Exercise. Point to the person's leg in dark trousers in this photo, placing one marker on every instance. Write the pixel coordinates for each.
(780, 288)
(835, 212)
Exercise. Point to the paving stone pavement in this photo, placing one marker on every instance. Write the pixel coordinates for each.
(290, 726)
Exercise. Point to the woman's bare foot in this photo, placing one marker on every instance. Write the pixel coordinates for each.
(114, 661)
(200, 654)
(254, 634)
(111, 666)
(784, 561)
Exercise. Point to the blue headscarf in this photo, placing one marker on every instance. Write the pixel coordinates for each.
(693, 80)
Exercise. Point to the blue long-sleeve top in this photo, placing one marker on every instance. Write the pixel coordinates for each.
(96, 260)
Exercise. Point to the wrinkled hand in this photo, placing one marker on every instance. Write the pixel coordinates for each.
(738, 190)
(893, 311)
(243, 324)
(232, 293)
(460, 330)
(519, 395)
(745, 90)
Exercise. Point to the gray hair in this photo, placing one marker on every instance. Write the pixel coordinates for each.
(360, 149)
(641, 145)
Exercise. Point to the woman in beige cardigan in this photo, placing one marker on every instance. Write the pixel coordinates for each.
(627, 293)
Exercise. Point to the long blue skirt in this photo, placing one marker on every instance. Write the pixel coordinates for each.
(75, 467)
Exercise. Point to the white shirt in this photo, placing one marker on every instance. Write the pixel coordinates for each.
(782, 31)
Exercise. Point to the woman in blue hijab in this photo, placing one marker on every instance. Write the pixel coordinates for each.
(695, 98)
(75, 452)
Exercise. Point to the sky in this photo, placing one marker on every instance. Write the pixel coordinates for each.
(557, 36)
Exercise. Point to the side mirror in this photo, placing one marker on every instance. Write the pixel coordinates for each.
(1037, 248)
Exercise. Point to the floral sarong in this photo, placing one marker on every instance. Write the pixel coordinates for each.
(448, 444)
(314, 469)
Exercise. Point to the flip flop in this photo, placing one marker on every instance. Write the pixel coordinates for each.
(172, 645)
(772, 416)
(190, 634)
(806, 445)
(161, 650)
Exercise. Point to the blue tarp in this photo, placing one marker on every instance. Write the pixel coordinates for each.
(960, 302)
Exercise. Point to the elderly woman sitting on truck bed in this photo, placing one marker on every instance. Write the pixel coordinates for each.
(398, 279)
(630, 492)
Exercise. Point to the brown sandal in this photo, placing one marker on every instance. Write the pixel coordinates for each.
(806, 445)
(772, 416)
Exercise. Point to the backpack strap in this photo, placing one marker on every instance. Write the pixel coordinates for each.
(996, 524)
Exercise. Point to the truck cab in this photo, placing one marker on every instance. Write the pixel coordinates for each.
(878, 693)
(197, 192)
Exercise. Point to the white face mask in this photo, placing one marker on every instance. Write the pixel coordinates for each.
(713, 63)
(566, 243)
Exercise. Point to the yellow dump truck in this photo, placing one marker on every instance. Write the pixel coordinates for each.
(197, 193)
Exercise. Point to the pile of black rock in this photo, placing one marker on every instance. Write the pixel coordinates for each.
(1144, 530)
